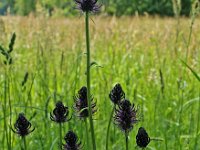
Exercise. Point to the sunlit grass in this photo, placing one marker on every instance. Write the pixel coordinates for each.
(131, 51)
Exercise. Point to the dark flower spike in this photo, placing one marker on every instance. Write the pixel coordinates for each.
(125, 116)
(22, 126)
(88, 5)
(60, 113)
(117, 94)
(142, 138)
(72, 141)
(81, 103)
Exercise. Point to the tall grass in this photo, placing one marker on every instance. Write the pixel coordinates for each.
(52, 52)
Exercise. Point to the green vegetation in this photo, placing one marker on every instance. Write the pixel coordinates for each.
(145, 55)
(111, 7)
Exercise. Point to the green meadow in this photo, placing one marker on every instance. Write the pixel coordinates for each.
(146, 55)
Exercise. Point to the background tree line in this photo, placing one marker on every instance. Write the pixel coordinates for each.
(111, 7)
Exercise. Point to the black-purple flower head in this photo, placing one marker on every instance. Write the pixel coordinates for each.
(60, 113)
(125, 116)
(81, 103)
(22, 127)
(88, 5)
(117, 94)
(72, 141)
(142, 138)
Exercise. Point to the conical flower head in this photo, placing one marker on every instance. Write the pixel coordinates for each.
(81, 103)
(117, 94)
(142, 138)
(88, 5)
(60, 113)
(22, 126)
(125, 116)
(72, 142)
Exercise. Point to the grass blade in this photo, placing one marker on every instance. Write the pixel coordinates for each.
(193, 72)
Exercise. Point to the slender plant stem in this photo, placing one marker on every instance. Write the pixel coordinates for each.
(86, 130)
(190, 35)
(126, 138)
(108, 129)
(60, 130)
(88, 78)
(177, 16)
(188, 42)
(24, 141)
(177, 33)
(198, 124)
(5, 108)
(10, 105)
(157, 139)
(180, 117)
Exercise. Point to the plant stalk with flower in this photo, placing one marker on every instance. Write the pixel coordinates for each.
(125, 118)
(72, 141)
(22, 127)
(88, 6)
(116, 95)
(81, 108)
(60, 115)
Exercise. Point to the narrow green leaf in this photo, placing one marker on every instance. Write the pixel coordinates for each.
(194, 73)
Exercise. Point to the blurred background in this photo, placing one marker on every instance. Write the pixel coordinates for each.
(110, 7)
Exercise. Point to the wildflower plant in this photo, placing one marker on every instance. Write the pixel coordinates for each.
(116, 95)
(142, 138)
(81, 107)
(88, 6)
(81, 103)
(60, 115)
(71, 141)
(125, 117)
(22, 127)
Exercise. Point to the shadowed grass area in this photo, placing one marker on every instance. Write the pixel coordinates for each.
(137, 52)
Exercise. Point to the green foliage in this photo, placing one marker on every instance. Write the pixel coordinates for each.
(186, 7)
(127, 7)
(24, 7)
(112, 7)
(161, 7)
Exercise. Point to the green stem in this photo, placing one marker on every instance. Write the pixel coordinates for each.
(180, 117)
(198, 124)
(126, 138)
(86, 130)
(177, 33)
(7, 133)
(157, 139)
(10, 108)
(108, 129)
(189, 39)
(24, 141)
(88, 79)
(60, 131)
